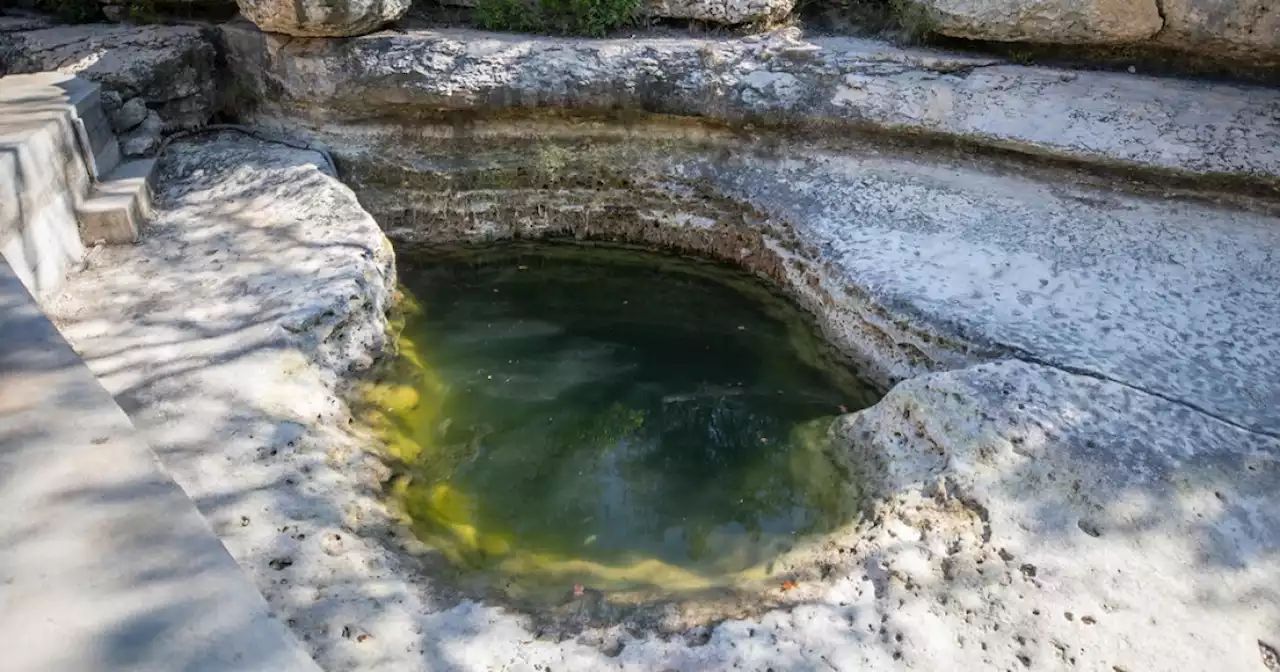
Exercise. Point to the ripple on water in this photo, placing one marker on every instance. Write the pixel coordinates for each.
(635, 423)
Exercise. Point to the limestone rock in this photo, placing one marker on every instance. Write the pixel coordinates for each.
(19, 21)
(310, 279)
(1232, 27)
(1046, 21)
(171, 68)
(1105, 512)
(721, 11)
(129, 115)
(323, 18)
(145, 139)
(112, 101)
(1163, 123)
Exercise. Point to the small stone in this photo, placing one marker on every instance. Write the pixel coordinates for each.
(331, 544)
(111, 101)
(145, 138)
(115, 13)
(132, 113)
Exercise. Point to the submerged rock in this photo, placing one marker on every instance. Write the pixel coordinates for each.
(322, 18)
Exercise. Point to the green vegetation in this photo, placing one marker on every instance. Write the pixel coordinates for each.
(905, 21)
(143, 11)
(915, 21)
(593, 18)
(72, 11)
(89, 11)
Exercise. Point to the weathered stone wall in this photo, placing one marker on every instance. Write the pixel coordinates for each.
(832, 87)
(322, 18)
(1107, 442)
(1056, 21)
(154, 78)
(1103, 495)
(1237, 30)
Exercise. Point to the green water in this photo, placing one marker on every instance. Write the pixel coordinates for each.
(611, 418)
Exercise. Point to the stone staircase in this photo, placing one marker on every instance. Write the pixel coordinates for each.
(64, 186)
(107, 563)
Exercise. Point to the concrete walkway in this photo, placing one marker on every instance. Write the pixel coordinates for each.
(105, 564)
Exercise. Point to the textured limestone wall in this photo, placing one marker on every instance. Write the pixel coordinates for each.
(154, 78)
(833, 86)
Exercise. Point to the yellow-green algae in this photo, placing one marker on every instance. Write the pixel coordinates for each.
(637, 424)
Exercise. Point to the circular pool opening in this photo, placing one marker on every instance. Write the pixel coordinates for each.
(564, 420)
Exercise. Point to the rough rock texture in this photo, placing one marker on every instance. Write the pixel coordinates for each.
(1030, 517)
(19, 21)
(1118, 531)
(143, 139)
(1048, 22)
(1234, 27)
(1198, 128)
(322, 18)
(129, 115)
(721, 11)
(916, 262)
(222, 334)
(171, 68)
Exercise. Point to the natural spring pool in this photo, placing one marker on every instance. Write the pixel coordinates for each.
(564, 418)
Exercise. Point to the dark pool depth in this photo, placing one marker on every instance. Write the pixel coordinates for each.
(561, 415)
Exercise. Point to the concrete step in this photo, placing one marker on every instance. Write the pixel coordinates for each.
(93, 126)
(117, 205)
(79, 99)
(44, 172)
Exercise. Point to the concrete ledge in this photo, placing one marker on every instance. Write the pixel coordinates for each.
(833, 85)
(63, 184)
(44, 173)
(104, 563)
(118, 205)
(169, 66)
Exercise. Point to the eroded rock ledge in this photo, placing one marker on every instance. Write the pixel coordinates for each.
(1122, 516)
(1029, 516)
(154, 79)
(912, 264)
(832, 85)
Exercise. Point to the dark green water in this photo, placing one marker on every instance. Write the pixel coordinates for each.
(613, 418)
